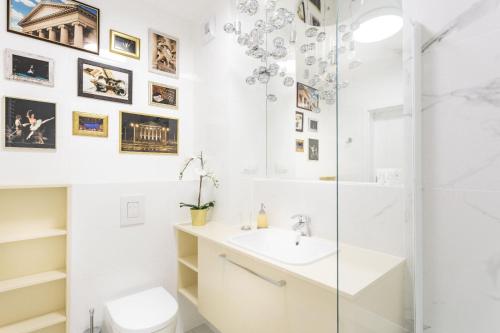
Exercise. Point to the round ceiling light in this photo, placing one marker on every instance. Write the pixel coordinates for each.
(378, 28)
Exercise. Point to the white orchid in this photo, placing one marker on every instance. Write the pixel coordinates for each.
(202, 173)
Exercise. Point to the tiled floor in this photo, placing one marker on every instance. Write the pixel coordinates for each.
(201, 329)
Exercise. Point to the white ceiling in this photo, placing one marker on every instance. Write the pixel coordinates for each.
(191, 10)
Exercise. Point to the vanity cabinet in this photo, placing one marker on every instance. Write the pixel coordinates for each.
(239, 294)
(234, 298)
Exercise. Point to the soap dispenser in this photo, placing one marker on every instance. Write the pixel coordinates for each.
(262, 218)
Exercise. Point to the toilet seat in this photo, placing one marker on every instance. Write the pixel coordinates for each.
(145, 312)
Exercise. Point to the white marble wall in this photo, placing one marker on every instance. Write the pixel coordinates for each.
(370, 216)
(461, 157)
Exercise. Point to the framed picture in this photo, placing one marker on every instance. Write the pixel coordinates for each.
(313, 150)
(105, 82)
(163, 54)
(299, 146)
(301, 11)
(141, 133)
(307, 97)
(299, 121)
(162, 95)
(27, 67)
(316, 3)
(315, 22)
(313, 125)
(64, 22)
(89, 124)
(124, 44)
(30, 124)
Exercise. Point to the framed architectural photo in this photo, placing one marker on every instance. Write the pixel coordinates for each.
(307, 98)
(299, 121)
(29, 124)
(64, 22)
(162, 95)
(299, 146)
(141, 133)
(313, 150)
(105, 82)
(89, 124)
(163, 54)
(313, 125)
(27, 67)
(124, 44)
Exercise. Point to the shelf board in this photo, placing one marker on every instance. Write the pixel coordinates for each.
(191, 293)
(18, 236)
(31, 280)
(36, 323)
(190, 262)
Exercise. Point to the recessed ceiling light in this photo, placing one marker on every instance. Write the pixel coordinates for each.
(378, 28)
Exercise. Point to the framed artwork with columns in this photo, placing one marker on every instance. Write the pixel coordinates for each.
(64, 22)
(148, 134)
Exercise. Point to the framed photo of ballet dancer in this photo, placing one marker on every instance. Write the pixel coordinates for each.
(163, 54)
(27, 67)
(29, 124)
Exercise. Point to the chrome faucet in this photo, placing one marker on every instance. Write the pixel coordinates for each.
(303, 223)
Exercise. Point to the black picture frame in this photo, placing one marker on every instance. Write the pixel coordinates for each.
(82, 93)
(98, 29)
(314, 94)
(301, 127)
(316, 3)
(29, 124)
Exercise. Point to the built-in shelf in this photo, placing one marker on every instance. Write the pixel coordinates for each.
(33, 248)
(187, 251)
(31, 280)
(18, 236)
(190, 261)
(191, 293)
(36, 323)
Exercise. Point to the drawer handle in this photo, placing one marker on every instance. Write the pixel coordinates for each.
(280, 283)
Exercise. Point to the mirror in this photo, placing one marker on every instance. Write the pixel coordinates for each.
(366, 66)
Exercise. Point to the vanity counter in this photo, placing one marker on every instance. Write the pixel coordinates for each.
(358, 268)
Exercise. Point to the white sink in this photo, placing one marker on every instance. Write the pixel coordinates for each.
(281, 245)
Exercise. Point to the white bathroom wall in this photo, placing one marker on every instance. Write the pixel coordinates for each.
(230, 117)
(376, 84)
(107, 261)
(80, 159)
(370, 216)
(461, 159)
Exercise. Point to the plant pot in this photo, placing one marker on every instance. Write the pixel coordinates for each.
(199, 217)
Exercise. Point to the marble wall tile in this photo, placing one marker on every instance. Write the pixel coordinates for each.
(462, 261)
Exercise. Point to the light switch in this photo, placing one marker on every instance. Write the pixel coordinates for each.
(132, 210)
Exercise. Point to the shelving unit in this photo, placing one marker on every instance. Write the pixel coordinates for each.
(33, 230)
(36, 323)
(187, 249)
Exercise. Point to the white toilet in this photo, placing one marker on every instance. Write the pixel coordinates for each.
(153, 310)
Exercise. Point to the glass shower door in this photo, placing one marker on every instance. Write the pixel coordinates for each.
(375, 172)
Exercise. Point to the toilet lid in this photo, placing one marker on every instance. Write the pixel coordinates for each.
(146, 311)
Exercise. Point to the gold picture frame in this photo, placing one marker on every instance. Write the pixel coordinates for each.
(97, 128)
(125, 45)
(159, 95)
(156, 144)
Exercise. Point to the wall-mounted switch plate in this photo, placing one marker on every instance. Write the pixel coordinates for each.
(132, 210)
